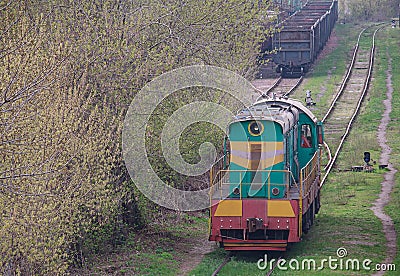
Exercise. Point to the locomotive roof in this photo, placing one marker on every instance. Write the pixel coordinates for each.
(281, 110)
(286, 102)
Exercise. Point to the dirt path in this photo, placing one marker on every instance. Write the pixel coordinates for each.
(388, 183)
(196, 254)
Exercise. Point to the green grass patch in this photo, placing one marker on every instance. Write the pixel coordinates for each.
(210, 262)
(156, 250)
(161, 263)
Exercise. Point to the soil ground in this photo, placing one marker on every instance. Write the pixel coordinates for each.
(196, 254)
(389, 182)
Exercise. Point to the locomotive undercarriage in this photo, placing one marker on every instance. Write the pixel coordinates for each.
(260, 234)
(292, 71)
(309, 216)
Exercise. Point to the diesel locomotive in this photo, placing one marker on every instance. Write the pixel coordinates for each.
(265, 190)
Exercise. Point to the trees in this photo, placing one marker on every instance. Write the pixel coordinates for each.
(68, 72)
(371, 9)
(59, 171)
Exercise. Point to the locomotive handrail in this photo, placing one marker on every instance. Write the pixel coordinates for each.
(219, 181)
(264, 170)
(309, 172)
(241, 185)
(304, 177)
(329, 153)
(220, 163)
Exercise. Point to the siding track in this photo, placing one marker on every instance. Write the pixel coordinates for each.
(347, 103)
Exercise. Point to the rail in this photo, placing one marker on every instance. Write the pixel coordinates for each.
(329, 166)
(269, 273)
(280, 83)
(346, 78)
(294, 87)
(227, 259)
(275, 84)
(348, 73)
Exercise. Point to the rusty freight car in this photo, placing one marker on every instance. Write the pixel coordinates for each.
(302, 36)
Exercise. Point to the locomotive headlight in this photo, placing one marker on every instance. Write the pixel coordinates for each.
(256, 128)
(275, 191)
(236, 191)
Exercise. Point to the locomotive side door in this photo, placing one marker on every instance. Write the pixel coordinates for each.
(305, 143)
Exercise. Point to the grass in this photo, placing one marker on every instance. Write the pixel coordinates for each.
(345, 219)
(355, 148)
(162, 263)
(153, 251)
(242, 263)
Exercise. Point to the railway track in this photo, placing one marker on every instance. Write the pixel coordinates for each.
(273, 267)
(347, 103)
(280, 87)
(224, 262)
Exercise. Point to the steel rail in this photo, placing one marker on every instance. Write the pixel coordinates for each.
(270, 91)
(294, 87)
(226, 260)
(346, 78)
(329, 167)
(276, 83)
(273, 268)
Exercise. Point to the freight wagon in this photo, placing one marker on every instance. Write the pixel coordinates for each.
(302, 36)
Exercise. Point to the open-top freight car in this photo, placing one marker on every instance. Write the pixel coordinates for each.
(265, 193)
(302, 36)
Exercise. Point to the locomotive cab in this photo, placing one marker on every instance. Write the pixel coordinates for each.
(257, 157)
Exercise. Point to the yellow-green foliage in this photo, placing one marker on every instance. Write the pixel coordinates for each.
(367, 10)
(68, 71)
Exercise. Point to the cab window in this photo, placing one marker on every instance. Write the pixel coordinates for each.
(306, 136)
